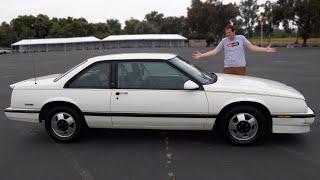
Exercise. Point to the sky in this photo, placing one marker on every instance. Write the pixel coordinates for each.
(95, 10)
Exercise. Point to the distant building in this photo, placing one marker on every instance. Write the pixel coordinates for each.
(144, 41)
(197, 43)
(57, 44)
(91, 43)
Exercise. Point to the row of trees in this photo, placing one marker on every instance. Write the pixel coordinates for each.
(205, 20)
(41, 26)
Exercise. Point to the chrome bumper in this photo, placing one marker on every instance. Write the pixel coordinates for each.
(25, 115)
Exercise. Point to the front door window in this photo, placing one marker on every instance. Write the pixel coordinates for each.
(149, 75)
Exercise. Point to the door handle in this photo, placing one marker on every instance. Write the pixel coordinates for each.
(118, 93)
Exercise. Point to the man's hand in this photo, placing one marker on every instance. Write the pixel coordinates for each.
(196, 55)
(269, 49)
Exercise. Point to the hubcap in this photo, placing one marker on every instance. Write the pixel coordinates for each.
(63, 124)
(243, 126)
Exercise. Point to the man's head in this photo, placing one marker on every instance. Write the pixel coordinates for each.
(230, 32)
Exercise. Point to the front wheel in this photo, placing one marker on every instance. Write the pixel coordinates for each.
(63, 124)
(243, 125)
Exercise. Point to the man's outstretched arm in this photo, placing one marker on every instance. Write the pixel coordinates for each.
(198, 54)
(261, 49)
(255, 48)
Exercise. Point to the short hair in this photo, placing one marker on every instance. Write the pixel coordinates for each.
(230, 27)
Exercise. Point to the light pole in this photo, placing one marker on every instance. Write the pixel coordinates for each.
(261, 30)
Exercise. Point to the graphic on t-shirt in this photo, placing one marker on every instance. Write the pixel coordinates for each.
(233, 44)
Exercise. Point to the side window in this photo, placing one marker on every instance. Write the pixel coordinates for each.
(96, 76)
(149, 75)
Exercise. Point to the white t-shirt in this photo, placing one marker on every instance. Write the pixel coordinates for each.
(234, 51)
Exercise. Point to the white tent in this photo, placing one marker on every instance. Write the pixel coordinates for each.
(90, 43)
(144, 37)
(144, 40)
(57, 44)
(56, 41)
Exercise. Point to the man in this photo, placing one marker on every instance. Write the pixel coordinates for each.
(234, 57)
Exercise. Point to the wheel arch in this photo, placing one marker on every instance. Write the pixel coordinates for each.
(46, 107)
(254, 104)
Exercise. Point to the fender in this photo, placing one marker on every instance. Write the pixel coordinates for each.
(242, 99)
(64, 99)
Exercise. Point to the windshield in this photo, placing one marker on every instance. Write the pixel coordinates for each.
(62, 75)
(200, 75)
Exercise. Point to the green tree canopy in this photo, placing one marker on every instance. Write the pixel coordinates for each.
(114, 26)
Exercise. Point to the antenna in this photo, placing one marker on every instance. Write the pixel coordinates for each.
(32, 56)
(34, 69)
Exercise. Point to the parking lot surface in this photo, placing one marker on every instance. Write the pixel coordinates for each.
(27, 152)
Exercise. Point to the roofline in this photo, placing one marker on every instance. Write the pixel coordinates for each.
(52, 43)
(156, 37)
(66, 38)
(141, 39)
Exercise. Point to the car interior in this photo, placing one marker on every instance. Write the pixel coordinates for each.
(139, 75)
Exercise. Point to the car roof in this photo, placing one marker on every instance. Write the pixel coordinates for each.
(130, 56)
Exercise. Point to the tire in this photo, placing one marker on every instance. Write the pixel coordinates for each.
(63, 124)
(243, 125)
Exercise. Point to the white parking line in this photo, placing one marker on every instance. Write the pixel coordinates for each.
(9, 76)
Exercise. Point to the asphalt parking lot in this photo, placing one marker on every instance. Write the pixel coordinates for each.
(27, 152)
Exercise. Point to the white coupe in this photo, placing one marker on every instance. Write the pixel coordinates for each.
(158, 91)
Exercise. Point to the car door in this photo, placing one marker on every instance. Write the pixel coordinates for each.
(91, 90)
(151, 94)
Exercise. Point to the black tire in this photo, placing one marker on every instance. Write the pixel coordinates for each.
(67, 111)
(258, 130)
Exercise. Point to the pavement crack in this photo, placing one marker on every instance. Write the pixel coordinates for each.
(168, 157)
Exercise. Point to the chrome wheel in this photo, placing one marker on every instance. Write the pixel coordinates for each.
(63, 124)
(243, 126)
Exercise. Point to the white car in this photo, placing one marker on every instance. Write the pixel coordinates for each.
(158, 91)
(5, 51)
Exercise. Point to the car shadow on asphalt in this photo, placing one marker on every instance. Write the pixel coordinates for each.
(180, 137)
(34, 134)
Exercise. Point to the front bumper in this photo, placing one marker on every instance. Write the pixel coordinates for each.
(293, 123)
(25, 115)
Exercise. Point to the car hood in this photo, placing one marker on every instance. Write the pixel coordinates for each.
(43, 82)
(252, 85)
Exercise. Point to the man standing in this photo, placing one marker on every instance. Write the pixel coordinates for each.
(234, 57)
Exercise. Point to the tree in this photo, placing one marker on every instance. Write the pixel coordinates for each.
(283, 12)
(249, 13)
(114, 26)
(23, 26)
(131, 26)
(145, 27)
(79, 27)
(6, 36)
(134, 26)
(99, 30)
(267, 19)
(174, 25)
(304, 14)
(42, 26)
(307, 12)
(155, 18)
(197, 19)
(208, 19)
(55, 30)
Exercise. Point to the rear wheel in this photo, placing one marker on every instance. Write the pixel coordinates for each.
(63, 124)
(243, 125)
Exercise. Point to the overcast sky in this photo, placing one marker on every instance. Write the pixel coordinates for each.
(95, 10)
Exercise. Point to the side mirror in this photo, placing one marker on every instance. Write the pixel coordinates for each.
(190, 85)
